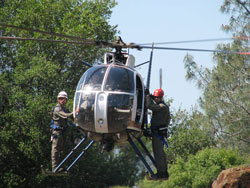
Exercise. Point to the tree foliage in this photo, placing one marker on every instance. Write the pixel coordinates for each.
(202, 168)
(187, 135)
(32, 74)
(239, 21)
(198, 170)
(226, 87)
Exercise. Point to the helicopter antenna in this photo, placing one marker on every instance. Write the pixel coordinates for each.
(160, 77)
(87, 64)
(147, 87)
(149, 67)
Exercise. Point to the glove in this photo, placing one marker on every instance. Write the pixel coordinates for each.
(146, 91)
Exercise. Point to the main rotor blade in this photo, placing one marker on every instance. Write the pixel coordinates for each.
(197, 50)
(44, 32)
(88, 42)
(199, 40)
(77, 40)
(45, 40)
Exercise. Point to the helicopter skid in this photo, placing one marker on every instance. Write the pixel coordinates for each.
(51, 173)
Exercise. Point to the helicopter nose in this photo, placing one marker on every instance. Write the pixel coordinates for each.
(101, 124)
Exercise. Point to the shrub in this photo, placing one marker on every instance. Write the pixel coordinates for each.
(201, 169)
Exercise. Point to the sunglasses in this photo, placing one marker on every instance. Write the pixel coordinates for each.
(156, 97)
(62, 98)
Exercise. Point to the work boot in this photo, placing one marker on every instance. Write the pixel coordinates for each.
(149, 177)
(158, 176)
(162, 175)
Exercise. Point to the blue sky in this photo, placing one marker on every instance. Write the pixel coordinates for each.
(147, 21)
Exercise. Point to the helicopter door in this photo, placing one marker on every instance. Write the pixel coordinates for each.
(120, 88)
(140, 101)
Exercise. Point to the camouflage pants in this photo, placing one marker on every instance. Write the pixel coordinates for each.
(57, 148)
(159, 154)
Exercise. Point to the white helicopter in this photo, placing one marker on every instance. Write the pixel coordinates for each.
(109, 105)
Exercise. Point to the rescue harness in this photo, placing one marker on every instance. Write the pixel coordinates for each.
(163, 129)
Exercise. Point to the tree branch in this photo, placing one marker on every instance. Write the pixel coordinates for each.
(244, 6)
(244, 140)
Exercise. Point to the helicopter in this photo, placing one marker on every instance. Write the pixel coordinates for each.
(109, 101)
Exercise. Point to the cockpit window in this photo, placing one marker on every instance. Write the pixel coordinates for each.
(92, 79)
(120, 79)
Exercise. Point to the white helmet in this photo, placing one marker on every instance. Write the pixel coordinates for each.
(62, 94)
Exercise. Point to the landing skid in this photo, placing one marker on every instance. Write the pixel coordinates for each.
(56, 172)
(51, 173)
(138, 152)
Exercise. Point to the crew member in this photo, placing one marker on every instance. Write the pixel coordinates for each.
(60, 115)
(159, 124)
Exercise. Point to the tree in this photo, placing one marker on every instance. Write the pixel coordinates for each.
(226, 88)
(187, 136)
(32, 74)
(239, 20)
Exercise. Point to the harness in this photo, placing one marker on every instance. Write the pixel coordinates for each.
(155, 132)
(55, 127)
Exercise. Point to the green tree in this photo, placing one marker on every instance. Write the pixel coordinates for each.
(226, 88)
(187, 136)
(32, 74)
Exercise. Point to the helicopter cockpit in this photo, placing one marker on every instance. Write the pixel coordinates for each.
(108, 98)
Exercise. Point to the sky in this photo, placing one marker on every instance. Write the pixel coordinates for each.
(147, 21)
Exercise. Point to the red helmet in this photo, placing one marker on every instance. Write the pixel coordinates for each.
(158, 93)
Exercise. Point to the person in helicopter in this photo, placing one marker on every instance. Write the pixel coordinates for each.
(94, 83)
(60, 115)
(159, 124)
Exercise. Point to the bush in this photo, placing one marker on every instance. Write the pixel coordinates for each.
(199, 171)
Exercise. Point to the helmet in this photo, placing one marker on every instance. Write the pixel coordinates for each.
(158, 93)
(62, 94)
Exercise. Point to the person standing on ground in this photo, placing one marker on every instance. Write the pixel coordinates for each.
(159, 125)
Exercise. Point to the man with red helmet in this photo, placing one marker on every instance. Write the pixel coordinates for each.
(159, 124)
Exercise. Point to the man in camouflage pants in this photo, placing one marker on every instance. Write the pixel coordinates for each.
(159, 124)
(60, 114)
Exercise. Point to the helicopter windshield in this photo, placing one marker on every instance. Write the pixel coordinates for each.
(104, 99)
(120, 79)
(92, 79)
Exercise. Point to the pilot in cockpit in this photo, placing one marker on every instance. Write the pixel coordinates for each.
(117, 83)
(94, 82)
